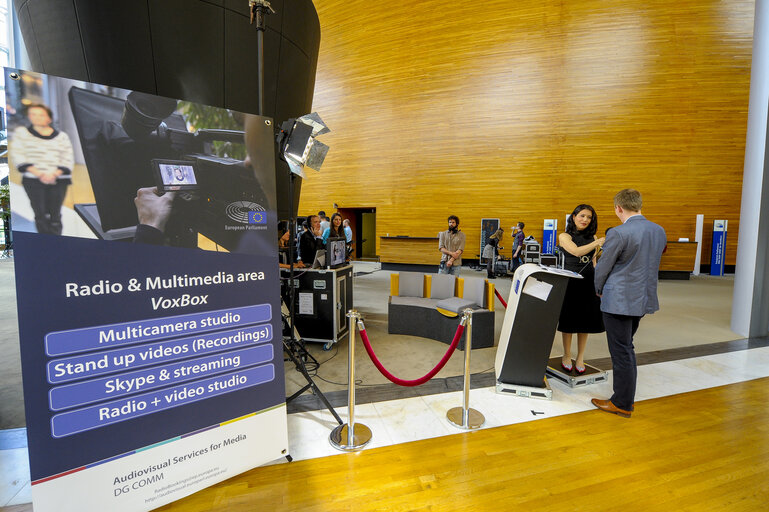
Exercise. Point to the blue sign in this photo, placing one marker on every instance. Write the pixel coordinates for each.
(550, 231)
(718, 249)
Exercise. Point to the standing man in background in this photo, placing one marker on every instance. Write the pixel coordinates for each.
(518, 238)
(451, 244)
(348, 236)
(324, 221)
(626, 280)
(347, 231)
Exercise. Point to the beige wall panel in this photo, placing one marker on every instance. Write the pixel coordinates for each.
(521, 110)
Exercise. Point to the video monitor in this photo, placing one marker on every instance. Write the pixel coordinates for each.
(335, 250)
(174, 175)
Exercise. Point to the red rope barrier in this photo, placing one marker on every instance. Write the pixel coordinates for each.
(500, 298)
(421, 380)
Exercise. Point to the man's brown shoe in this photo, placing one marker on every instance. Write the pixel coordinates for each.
(608, 406)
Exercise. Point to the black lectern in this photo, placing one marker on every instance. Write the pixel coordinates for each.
(531, 318)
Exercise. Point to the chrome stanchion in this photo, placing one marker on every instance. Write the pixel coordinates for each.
(350, 436)
(464, 417)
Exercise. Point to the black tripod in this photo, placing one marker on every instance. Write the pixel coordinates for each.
(295, 349)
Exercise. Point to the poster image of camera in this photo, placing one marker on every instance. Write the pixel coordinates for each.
(92, 161)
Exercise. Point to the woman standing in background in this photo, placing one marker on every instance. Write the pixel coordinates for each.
(491, 251)
(335, 229)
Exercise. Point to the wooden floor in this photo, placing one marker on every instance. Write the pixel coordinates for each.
(706, 450)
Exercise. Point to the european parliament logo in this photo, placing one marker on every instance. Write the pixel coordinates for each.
(246, 212)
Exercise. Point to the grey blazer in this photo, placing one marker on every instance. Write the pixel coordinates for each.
(626, 274)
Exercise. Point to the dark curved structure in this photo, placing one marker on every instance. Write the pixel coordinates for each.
(197, 50)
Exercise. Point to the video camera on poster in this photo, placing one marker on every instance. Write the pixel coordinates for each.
(142, 141)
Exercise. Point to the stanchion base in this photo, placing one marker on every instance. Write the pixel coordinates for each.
(475, 418)
(545, 392)
(360, 437)
(592, 374)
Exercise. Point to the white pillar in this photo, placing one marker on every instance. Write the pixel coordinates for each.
(750, 307)
(700, 222)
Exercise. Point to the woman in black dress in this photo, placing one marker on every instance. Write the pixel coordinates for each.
(581, 310)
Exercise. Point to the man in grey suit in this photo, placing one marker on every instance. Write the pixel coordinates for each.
(626, 281)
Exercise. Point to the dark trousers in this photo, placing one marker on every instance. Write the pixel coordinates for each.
(490, 264)
(46, 201)
(620, 330)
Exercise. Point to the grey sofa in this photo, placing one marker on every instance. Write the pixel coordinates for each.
(431, 306)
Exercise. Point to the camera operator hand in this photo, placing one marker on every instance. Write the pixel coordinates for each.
(152, 208)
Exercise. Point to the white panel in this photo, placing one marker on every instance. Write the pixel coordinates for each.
(698, 239)
(752, 181)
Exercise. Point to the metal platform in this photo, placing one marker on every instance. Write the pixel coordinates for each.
(544, 392)
(572, 379)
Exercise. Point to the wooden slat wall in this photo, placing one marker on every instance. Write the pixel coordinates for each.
(420, 251)
(679, 256)
(521, 110)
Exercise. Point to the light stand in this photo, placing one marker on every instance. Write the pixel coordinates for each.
(259, 11)
(293, 348)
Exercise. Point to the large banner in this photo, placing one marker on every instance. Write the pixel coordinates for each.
(148, 293)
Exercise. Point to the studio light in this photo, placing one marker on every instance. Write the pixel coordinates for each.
(299, 146)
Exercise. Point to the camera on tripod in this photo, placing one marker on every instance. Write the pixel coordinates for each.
(144, 140)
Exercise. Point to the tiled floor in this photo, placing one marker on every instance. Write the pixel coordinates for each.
(15, 488)
(411, 419)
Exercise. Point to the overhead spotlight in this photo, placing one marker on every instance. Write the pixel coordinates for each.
(298, 144)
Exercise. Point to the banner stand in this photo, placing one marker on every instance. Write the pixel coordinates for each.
(718, 248)
(549, 234)
(150, 367)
